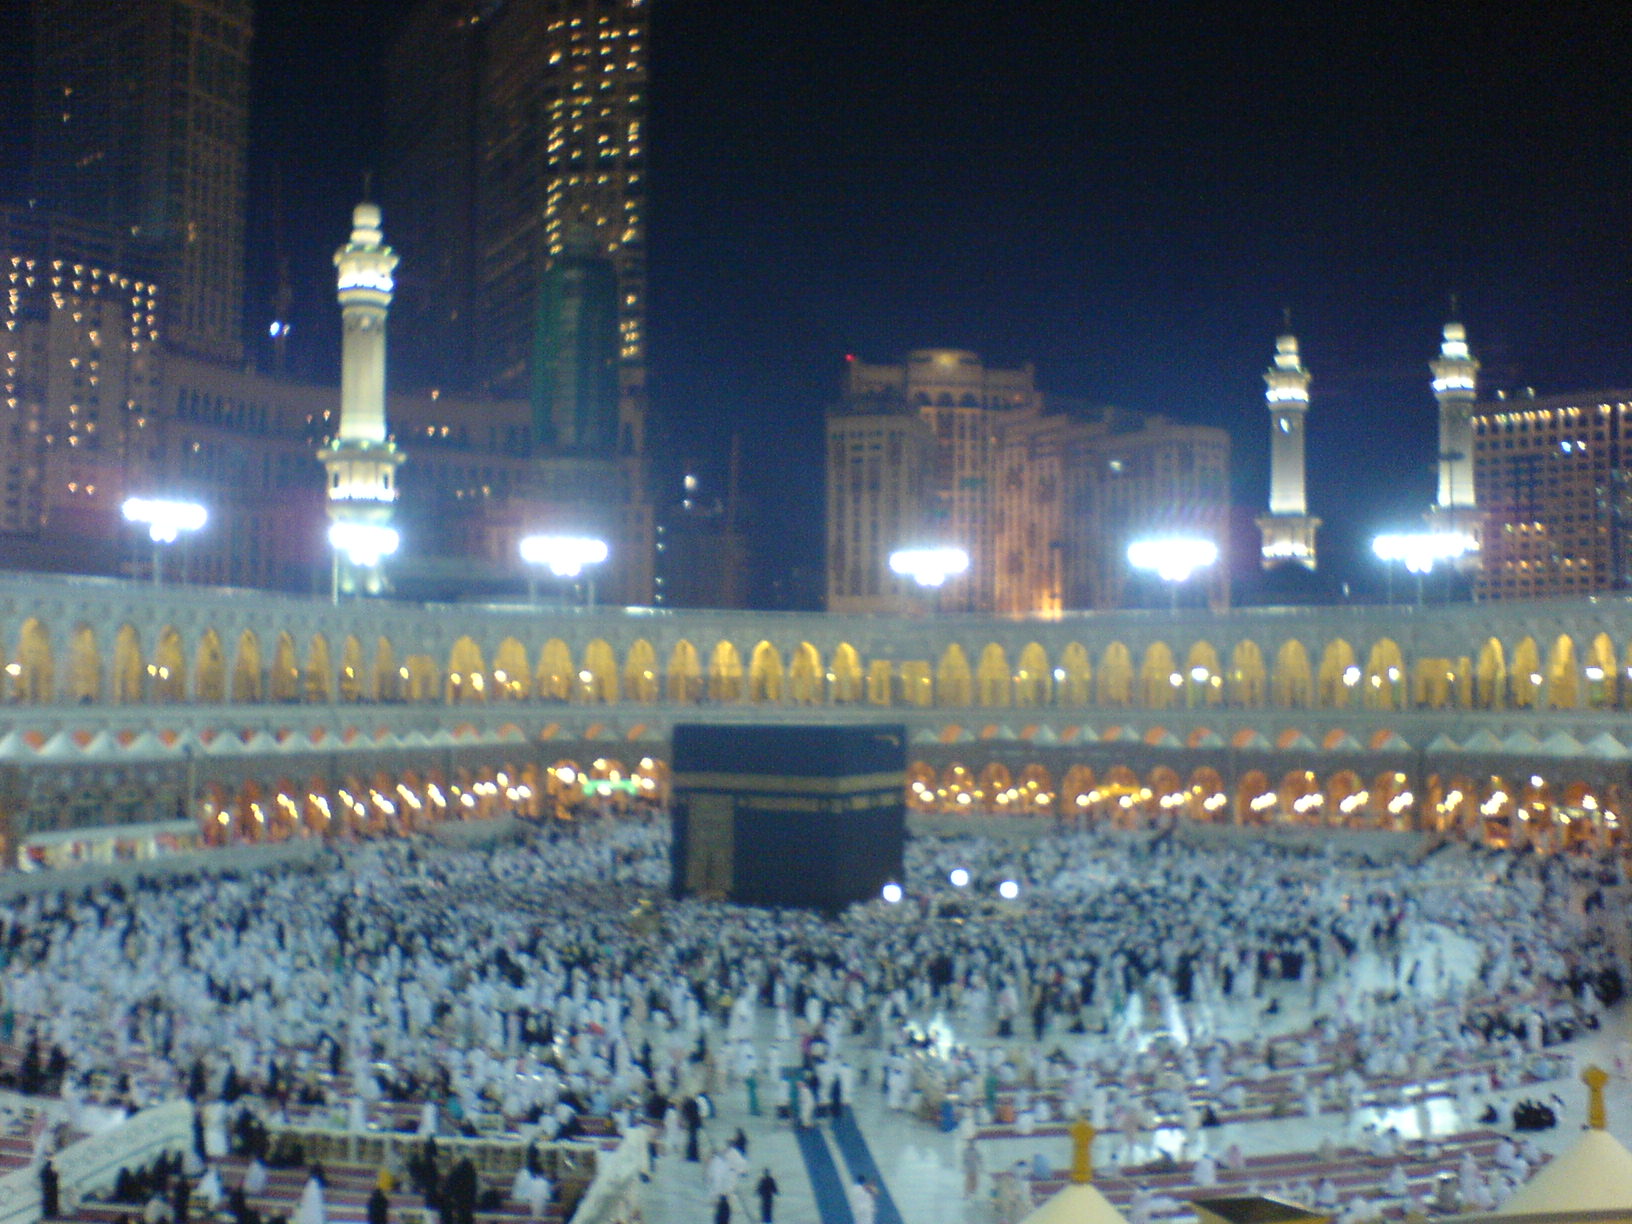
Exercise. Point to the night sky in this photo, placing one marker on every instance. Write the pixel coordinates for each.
(1127, 196)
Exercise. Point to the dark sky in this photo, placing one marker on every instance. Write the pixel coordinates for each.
(1127, 195)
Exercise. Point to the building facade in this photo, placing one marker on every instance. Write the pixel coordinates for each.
(140, 124)
(939, 450)
(1553, 489)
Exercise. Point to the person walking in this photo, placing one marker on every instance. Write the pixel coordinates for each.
(767, 1190)
(51, 1191)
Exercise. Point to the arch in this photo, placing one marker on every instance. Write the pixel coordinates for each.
(1338, 676)
(247, 677)
(1035, 791)
(640, 673)
(805, 675)
(1207, 798)
(1293, 679)
(952, 678)
(285, 671)
(994, 790)
(921, 787)
(992, 680)
(725, 672)
(1073, 677)
(167, 671)
(1248, 679)
(84, 667)
(354, 680)
(917, 683)
(319, 670)
(423, 679)
(1077, 792)
(33, 672)
(554, 679)
(1525, 678)
(1300, 796)
(1563, 677)
(467, 679)
(210, 669)
(129, 672)
(1384, 677)
(387, 680)
(685, 674)
(512, 674)
(601, 668)
(844, 675)
(1490, 677)
(880, 683)
(1346, 797)
(1033, 682)
(1434, 683)
(1601, 674)
(1159, 677)
(1203, 677)
(1115, 683)
(1254, 800)
(1392, 800)
(765, 674)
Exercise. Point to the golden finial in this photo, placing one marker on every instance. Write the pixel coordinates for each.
(1082, 1152)
(1595, 1077)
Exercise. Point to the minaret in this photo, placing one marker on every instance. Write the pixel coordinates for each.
(1456, 387)
(360, 458)
(1288, 529)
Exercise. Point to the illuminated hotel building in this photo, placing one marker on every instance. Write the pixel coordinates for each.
(80, 377)
(140, 124)
(941, 450)
(511, 126)
(1552, 484)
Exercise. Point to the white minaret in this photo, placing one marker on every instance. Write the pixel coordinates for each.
(1456, 388)
(1288, 530)
(361, 460)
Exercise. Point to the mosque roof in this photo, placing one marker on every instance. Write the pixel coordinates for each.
(1595, 1174)
(1076, 1203)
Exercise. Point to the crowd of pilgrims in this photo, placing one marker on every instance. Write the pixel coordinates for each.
(548, 980)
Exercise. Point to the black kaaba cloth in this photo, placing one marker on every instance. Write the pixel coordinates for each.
(810, 816)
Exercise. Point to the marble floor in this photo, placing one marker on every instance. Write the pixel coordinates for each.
(922, 1168)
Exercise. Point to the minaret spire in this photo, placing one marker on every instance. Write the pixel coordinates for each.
(1456, 389)
(1288, 530)
(360, 458)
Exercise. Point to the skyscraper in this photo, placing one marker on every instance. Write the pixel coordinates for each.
(140, 122)
(511, 125)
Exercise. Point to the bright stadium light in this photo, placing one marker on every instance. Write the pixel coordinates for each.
(165, 519)
(564, 556)
(1172, 558)
(364, 544)
(1420, 551)
(929, 567)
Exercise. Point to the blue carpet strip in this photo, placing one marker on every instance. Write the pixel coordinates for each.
(831, 1203)
(853, 1147)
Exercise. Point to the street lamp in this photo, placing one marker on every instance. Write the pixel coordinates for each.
(565, 557)
(365, 545)
(1173, 559)
(929, 567)
(165, 519)
(1420, 551)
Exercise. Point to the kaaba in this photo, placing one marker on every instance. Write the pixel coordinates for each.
(812, 817)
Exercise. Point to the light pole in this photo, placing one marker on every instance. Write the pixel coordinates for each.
(929, 566)
(565, 557)
(365, 545)
(165, 519)
(1420, 551)
(1173, 559)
